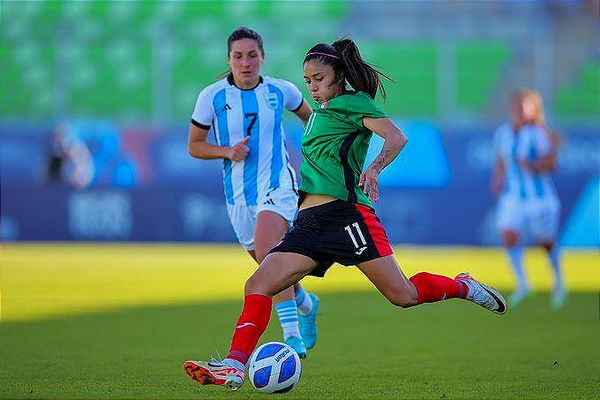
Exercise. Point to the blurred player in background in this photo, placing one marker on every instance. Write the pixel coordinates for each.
(245, 111)
(69, 159)
(526, 153)
(336, 221)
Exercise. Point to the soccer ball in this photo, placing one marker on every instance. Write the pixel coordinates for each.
(274, 368)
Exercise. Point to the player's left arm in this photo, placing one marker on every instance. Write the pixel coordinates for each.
(545, 145)
(394, 142)
(294, 101)
(303, 112)
(546, 163)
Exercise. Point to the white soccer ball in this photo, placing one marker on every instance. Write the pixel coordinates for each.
(274, 368)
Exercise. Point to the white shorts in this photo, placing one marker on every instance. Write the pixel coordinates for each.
(540, 218)
(243, 218)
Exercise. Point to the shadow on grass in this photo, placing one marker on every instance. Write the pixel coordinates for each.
(366, 349)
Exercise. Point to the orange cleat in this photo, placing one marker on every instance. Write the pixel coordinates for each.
(211, 373)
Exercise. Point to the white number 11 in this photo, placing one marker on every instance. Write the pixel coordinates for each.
(348, 228)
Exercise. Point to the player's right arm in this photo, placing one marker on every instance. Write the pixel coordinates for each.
(545, 143)
(498, 176)
(198, 147)
(202, 118)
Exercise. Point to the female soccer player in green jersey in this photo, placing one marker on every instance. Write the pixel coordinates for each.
(336, 222)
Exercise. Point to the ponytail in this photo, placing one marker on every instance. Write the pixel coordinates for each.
(361, 75)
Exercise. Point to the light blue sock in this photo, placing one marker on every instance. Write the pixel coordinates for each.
(288, 318)
(303, 300)
(515, 255)
(554, 257)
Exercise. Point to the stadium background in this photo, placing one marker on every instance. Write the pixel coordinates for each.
(125, 75)
(84, 303)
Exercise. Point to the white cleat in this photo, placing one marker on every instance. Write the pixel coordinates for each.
(215, 373)
(483, 295)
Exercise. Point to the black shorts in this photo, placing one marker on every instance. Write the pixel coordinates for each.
(338, 231)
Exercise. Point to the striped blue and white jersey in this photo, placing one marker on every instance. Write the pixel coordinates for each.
(235, 113)
(530, 143)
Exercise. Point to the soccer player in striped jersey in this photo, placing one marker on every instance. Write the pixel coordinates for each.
(525, 157)
(336, 222)
(245, 111)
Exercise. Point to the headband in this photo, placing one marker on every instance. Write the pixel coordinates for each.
(316, 53)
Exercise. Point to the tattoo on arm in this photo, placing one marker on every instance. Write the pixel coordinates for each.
(382, 160)
(393, 144)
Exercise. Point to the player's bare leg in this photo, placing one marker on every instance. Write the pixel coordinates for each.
(279, 271)
(389, 279)
(270, 229)
(424, 287)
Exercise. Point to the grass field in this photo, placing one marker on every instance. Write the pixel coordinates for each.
(117, 321)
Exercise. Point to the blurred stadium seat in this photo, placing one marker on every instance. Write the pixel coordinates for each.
(582, 96)
(140, 60)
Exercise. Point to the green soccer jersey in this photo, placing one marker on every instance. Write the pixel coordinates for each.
(334, 147)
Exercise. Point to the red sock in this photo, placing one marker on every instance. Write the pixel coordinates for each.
(250, 326)
(432, 288)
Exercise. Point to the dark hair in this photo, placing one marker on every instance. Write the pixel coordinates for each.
(241, 33)
(347, 63)
(245, 33)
